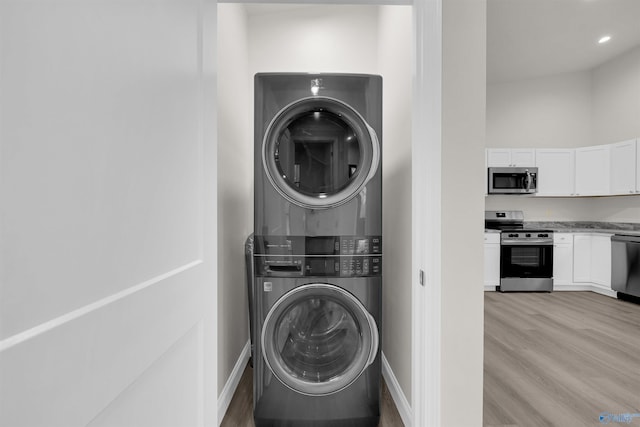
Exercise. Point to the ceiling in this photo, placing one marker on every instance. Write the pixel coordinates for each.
(532, 38)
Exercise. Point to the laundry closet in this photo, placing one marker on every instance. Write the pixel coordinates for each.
(279, 38)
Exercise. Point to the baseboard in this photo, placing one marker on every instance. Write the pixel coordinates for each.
(585, 287)
(224, 399)
(404, 408)
(604, 291)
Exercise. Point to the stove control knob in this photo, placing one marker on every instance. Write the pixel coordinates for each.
(528, 235)
(513, 235)
(543, 235)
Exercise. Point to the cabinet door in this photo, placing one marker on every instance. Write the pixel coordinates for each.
(581, 258)
(556, 172)
(498, 157)
(523, 157)
(623, 167)
(601, 260)
(592, 171)
(491, 264)
(562, 264)
(562, 259)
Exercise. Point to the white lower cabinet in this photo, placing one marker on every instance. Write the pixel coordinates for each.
(491, 260)
(562, 260)
(592, 261)
(601, 260)
(582, 258)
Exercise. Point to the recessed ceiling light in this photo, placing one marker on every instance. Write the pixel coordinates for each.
(604, 39)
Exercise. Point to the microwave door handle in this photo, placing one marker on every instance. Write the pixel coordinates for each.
(527, 180)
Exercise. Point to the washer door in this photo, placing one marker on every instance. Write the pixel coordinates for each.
(319, 152)
(318, 339)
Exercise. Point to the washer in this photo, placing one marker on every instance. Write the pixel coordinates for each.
(317, 341)
(318, 154)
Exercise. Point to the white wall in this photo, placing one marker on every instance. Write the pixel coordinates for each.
(235, 184)
(616, 98)
(463, 127)
(553, 111)
(568, 110)
(394, 59)
(616, 117)
(314, 38)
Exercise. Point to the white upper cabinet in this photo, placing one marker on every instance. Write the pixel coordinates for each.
(593, 177)
(556, 171)
(624, 162)
(511, 157)
(600, 170)
(498, 157)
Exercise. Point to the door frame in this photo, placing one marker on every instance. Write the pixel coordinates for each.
(426, 156)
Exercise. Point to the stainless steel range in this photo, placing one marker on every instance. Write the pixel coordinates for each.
(526, 255)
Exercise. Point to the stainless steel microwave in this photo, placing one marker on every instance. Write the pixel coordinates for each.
(513, 180)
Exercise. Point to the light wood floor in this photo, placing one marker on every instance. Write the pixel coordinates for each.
(560, 359)
(240, 412)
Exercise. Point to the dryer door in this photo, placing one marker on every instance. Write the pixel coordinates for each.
(318, 152)
(318, 339)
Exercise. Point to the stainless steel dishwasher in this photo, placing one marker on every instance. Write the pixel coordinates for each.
(625, 264)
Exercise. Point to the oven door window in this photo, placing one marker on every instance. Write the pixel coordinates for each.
(526, 261)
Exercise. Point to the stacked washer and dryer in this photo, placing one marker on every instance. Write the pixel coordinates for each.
(317, 278)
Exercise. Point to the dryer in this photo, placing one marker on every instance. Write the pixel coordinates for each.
(317, 334)
(318, 154)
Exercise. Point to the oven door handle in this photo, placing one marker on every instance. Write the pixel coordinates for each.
(536, 242)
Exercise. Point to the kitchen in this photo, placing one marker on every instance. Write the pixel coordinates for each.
(566, 108)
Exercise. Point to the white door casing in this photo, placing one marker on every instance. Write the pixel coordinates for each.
(108, 233)
(426, 170)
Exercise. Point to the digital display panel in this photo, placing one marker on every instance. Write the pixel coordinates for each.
(320, 245)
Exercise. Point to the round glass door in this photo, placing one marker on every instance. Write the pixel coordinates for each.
(318, 339)
(318, 152)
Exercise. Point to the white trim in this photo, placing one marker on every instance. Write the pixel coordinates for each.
(224, 399)
(586, 287)
(42, 328)
(604, 291)
(404, 408)
(426, 182)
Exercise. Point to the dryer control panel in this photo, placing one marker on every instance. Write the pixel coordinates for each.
(303, 256)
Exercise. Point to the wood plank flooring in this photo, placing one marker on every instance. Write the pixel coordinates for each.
(240, 412)
(560, 359)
